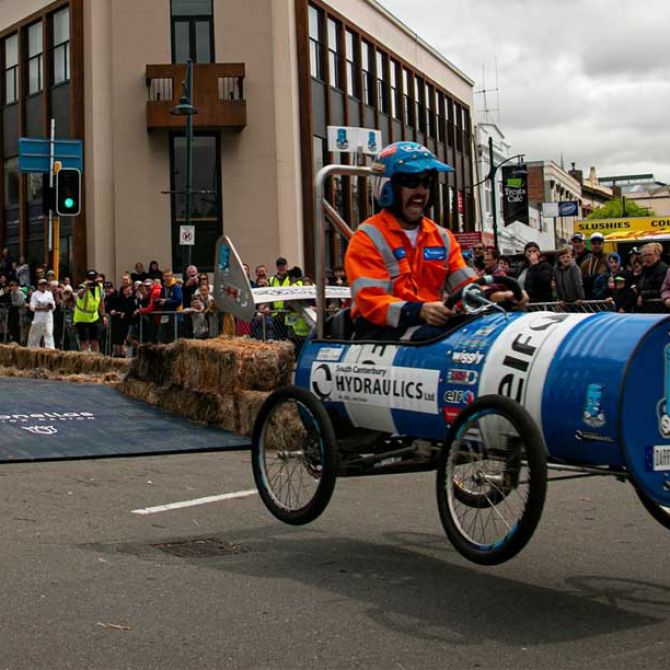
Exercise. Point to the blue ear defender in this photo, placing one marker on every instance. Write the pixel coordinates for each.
(386, 196)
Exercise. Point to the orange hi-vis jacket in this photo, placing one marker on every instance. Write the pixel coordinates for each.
(385, 272)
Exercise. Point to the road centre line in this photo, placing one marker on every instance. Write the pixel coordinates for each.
(194, 502)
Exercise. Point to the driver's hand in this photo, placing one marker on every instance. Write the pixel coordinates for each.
(435, 313)
(500, 296)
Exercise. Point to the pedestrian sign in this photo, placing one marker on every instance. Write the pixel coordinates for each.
(187, 235)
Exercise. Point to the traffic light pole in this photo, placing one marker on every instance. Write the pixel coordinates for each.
(54, 221)
(189, 159)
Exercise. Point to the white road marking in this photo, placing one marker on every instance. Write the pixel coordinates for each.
(194, 502)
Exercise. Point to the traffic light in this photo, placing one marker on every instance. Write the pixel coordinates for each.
(68, 192)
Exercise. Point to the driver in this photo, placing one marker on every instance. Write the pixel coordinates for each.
(399, 262)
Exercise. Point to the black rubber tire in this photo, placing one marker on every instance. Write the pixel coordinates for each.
(315, 461)
(522, 463)
(660, 513)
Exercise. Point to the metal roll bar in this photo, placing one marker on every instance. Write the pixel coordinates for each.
(322, 208)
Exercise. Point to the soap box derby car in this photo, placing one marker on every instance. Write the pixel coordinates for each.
(492, 405)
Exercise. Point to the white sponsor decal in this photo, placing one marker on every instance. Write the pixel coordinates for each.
(661, 458)
(275, 293)
(517, 364)
(46, 416)
(40, 430)
(467, 357)
(376, 385)
(365, 414)
(329, 354)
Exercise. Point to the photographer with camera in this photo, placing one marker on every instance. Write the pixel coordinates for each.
(89, 312)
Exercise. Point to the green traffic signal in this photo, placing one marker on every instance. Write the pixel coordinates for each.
(68, 192)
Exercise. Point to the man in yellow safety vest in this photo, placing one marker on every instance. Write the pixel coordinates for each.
(89, 312)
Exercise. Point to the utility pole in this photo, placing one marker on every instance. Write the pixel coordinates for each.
(186, 108)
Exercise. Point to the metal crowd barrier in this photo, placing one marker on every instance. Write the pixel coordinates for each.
(165, 327)
(583, 307)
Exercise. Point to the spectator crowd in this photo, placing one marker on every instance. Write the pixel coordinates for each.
(148, 305)
(638, 283)
(154, 305)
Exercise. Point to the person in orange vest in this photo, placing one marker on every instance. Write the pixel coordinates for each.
(399, 263)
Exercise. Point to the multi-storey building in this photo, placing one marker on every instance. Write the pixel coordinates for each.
(269, 77)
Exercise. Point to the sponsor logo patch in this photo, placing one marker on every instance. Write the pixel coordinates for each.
(376, 385)
(467, 357)
(434, 254)
(592, 414)
(40, 430)
(464, 377)
(453, 397)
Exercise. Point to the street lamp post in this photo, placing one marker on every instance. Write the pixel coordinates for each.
(186, 108)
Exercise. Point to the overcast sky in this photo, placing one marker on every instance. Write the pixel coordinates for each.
(586, 78)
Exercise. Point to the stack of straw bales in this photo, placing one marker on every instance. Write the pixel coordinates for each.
(221, 382)
(17, 361)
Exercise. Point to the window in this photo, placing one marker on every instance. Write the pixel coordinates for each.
(11, 186)
(430, 115)
(192, 31)
(60, 30)
(351, 51)
(458, 122)
(382, 97)
(440, 117)
(367, 56)
(315, 44)
(450, 122)
(34, 78)
(407, 97)
(11, 69)
(334, 68)
(205, 213)
(420, 102)
(396, 101)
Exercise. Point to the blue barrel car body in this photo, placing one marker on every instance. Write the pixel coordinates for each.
(596, 384)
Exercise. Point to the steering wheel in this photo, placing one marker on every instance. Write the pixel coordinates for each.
(475, 288)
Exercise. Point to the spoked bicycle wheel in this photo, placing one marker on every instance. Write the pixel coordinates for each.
(492, 480)
(294, 455)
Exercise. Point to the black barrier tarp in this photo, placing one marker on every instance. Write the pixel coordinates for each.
(44, 420)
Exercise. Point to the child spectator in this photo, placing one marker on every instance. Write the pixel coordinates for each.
(568, 278)
(623, 295)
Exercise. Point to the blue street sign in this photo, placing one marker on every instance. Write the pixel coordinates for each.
(34, 154)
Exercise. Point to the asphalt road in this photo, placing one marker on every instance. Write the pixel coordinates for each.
(87, 583)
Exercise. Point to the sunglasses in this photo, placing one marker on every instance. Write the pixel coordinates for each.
(414, 180)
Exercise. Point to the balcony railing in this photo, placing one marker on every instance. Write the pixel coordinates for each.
(218, 95)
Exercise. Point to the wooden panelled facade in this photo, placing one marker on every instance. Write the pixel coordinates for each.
(44, 82)
(348, 78)
(254, 133)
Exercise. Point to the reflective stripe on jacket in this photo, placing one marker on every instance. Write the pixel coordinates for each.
(385, 271)
(87, 307)
(274, 282)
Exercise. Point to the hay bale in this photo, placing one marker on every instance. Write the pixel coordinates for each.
(61, 362)
(235, 412)
(248, 405)
(219, 365)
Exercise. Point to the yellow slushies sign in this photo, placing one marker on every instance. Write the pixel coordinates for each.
(633, 228)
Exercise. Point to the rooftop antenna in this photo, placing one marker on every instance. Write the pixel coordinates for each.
(488, 113)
